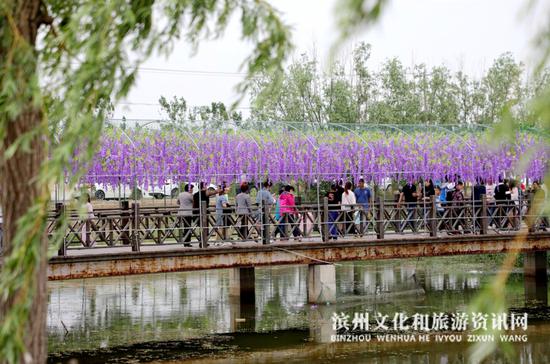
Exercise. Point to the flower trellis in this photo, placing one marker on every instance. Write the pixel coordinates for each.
(158, 156)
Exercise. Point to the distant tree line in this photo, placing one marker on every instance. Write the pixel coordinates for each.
(396, 94)
(393, 94)
(178, 112)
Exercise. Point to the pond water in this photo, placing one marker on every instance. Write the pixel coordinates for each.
(190, 316)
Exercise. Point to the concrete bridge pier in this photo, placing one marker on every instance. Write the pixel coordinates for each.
(321, 283)
(535, 277)
(242, 299)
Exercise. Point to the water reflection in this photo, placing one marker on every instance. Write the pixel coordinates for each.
(121, 311)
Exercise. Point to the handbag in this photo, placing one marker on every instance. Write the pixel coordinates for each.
(357, 217)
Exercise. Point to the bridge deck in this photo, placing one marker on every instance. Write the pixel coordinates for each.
(99, 262)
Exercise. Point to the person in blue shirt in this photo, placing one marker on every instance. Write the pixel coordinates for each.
(264, 197)
(443, 194)
(439, 208)
(439, 200)
(363, 197)
(278, 217)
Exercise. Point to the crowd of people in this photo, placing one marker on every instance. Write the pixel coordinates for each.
(505, 202)
(248, 218)
(349, 207)
(355, 204)
(283, 205)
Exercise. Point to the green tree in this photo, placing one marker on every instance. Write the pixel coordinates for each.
(61, 61)
(302, 97)
(175, 109)
(469, 97)
(339, 100)
(502, 86)
(216, 112)
(442, 101)
(365, 82)
(533, 88)
(293, 96)
(266, 104)
(397, 102)
(178, 113)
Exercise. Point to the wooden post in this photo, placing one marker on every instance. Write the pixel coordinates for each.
(135, 227)
(265, 224)
(125, 222)
(203, 216)
(433, 217)
(484, 217)
(59, 212)
(324, 220)
(380, 218)
(88, 241)
(529, 218)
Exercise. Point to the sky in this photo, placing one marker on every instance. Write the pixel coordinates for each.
(462, 34)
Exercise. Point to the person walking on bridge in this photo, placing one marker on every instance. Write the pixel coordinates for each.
(348, 205)
(363, 197)
(185, 214)
(333, 206)
(87, 224)
(222, 212)
(409, 197)
(503, 197)
(479, 191)
(203, 196)
(264, 200)
(264, 196)
(278, 217)
(243, 207)
(458, 210)
(289, 213)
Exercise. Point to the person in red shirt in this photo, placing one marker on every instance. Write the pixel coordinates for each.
(289, 213)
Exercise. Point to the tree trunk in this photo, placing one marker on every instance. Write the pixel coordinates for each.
(18, 187)
(18, 193)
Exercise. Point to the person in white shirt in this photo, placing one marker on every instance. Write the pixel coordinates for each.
(348, 205)
(513, 215)
(87, 223)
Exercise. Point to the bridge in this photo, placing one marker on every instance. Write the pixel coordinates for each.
(138, 240)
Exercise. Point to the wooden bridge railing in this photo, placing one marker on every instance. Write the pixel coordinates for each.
(134, 226)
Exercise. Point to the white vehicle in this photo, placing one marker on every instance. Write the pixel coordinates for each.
(101, 191)
(122, 191)
(98, 191)
(169, 189)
